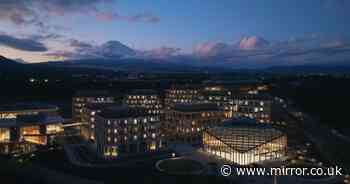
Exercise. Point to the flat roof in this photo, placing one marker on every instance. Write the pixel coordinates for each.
(29, 120)
(143, 92)
(244, 134)
(116, 112)
(92, 93)
(100, 106)
(196, 107)
(33, 106)
(259, 96)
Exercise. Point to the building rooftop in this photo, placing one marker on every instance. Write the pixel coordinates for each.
(93, 93)
(233, 83)
(196, 107)
(116, 112)
(259, 96)
(186, 87)
(143, 92)
(17, 107)
(100, 106)
(238, 131)
(29, 120)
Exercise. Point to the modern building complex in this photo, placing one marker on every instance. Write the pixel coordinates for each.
(245, 142)
(185, 122)
(181, 94)
(23, 126)
(82, 98)
(124, 131)
(257, 106)
(88, 116)
(218, 95)
(148, 99)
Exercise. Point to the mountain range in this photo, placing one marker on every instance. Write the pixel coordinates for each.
(142, 65)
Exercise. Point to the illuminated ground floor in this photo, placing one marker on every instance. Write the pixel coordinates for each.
(115, 150)
(16, 148)
(245, 146)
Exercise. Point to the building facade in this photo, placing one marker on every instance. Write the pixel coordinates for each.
(245, 142)
(124, 131)
(257, 106)
(185, 122)
(79, 111)
(184, 94)
(82, 98)
(23, 126)
(148, 99)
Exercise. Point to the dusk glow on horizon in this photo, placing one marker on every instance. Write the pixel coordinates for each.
(272, 31)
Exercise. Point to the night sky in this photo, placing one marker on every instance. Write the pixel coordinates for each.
(252, 31)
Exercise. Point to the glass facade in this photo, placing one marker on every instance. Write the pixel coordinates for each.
(4, 135)
(244, 145)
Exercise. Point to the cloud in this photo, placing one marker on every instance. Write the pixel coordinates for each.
(249, 51)
(161, 53)
(37, 12)
(24, 44)
(213, 49)
(252, 42)
(142, 17)
(84, 50)
(79, 44)
(257, 51)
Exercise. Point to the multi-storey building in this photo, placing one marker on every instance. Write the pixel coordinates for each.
(80, 101)
(23, 126)
(82, 98)
(257, 106)
(216, 94)
(123, 131)
(185, 122)
(148, 99)
(181, 94)
(89, 114)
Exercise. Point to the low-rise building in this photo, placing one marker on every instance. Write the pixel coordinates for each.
(245, 142)
(23, 126)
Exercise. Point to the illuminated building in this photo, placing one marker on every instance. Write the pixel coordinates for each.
(257, 106)
(11, 111)
(124, 131)
(89, 114)
(80, 101)
(82, 98)
(22, 126)
(181, 94)
(185, 122)
(245, 142)
(216, 94)
(148, 99)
